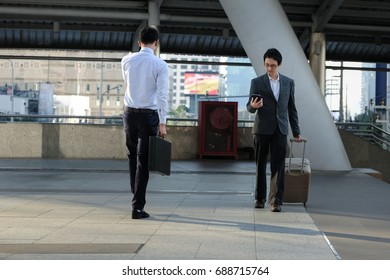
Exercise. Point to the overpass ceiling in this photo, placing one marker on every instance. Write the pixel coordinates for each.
(356, 30)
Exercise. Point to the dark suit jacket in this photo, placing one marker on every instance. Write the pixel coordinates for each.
(274, 114)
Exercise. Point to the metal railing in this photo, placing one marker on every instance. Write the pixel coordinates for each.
(106, 120)
(369, 132)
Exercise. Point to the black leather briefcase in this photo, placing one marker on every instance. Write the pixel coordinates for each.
(159, 155)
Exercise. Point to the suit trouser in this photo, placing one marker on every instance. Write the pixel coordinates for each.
(138, 127)
(276, 145)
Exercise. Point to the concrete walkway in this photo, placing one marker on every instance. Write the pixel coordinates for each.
(80, 209)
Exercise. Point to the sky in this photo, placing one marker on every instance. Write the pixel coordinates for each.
(352, 89)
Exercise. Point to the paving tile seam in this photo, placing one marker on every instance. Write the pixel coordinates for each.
(66, 225)
(106, 170)
(338, 257)
(81, 170)
(329, 244)
(70, 248)
(54, 191)
(94, 170)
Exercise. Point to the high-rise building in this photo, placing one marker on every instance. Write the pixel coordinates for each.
(184, 68)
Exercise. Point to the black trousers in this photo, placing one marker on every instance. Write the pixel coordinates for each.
(276, 145)
(138, 126)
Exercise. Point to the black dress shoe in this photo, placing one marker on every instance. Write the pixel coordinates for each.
(259, 204)
(139, 214)
(276, 208)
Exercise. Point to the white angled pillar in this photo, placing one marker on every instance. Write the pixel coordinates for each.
(261, 25)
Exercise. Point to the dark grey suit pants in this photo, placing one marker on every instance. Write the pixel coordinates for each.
(274, 144)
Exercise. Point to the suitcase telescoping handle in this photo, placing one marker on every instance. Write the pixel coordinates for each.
(304, 140)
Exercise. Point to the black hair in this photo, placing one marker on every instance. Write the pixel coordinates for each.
(148, 35)
(274, 54)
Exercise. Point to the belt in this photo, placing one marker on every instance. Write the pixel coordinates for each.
(135, 110)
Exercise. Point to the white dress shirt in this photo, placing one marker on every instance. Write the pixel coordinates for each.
(275, 86)
(146, 77)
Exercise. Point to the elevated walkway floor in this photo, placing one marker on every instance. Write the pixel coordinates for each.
(80, 209)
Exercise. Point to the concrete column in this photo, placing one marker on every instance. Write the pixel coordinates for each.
(317, 58)
(381, 85)
(388, 99)
(135, 46)
(154, 17)
(154, 12)
(263, 24)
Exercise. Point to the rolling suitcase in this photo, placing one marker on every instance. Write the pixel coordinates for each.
(159, 155)
(297, 177)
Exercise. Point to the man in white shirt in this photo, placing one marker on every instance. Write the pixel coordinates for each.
(145, 111)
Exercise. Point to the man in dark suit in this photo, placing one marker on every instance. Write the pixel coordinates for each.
(271, 98)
